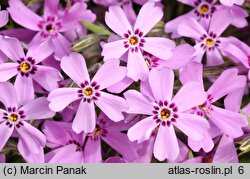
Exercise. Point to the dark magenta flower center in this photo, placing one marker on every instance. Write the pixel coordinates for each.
(49, 27)
(99, 131)
(165, 113)
(27, 66)
(134, 40)
(205, 108)
(204, 8)
(89, 91)
(13, 116)
(150, 60)
(209, 41)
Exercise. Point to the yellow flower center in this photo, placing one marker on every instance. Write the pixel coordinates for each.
(88, 91)
(201, 106)
(204, 8)
(13, 117)
(96, 131)
(165, 113)
(25, 67)
(133, 40)
(209, 42)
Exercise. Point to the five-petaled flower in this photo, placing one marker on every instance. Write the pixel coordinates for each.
(164, 112)
(89, 92)
(133, 40)
(14, 119)
(27, 68)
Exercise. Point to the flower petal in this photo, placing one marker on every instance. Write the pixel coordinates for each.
(8, 95)
(159, 47)
(237, 50)
(233, 100)
(240, 16)
(207, 144)
(92, 152)
(226, 83)
(193, 72)
(228, 125)
(182, 55)
(75, 67)
(112, 106)
(117, 20)
(78, 12)
(220, 20)
(137, 68)
(7, 71)
(191, 28)
(5, 133)
(55, 134)
(120, 86)
(62, 46)
(166, 144)
(142, 130)
(236, 118)
(121, 144)
(31, 137)
(62, 97)
(12, 48)
(37, 109)
(47, 77)
(23, 15)
(59, 155)
(148, 17)
(214, 58)
(85, 119)
(41, 51)
(30, 157)
(189, 96)
(172, 25)
(117, 48)
(4, 18)
(226, 151)
(192, 125)
(138, 104)
(24, 89)
(109, 74)
(162, 83)
(51, 7)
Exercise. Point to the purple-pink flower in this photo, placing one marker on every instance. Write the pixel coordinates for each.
(27, 68)
(133, 40)
(87, 147)
(164, 112)
(89, 92)
(221, 120)
(52, 24)
(14, 119)
(203, 12)
(209, 40)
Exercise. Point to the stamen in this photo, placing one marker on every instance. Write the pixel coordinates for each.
(210, 42)
(13, 117)
(96, 132)
(133, 40)
(88, 91)
(165, 113)
(50, 28)
(25, 66)
(203, 9)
